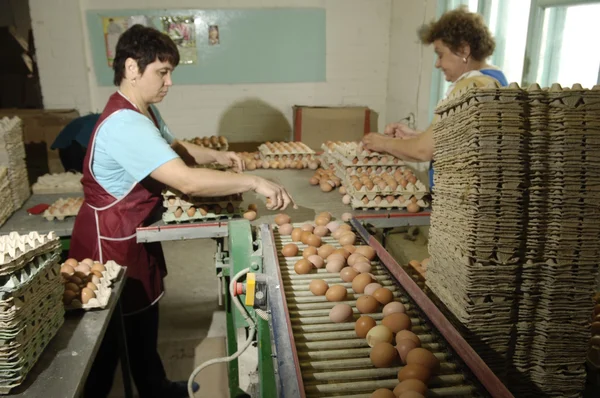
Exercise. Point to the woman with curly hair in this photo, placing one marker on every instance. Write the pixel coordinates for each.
(462, 43)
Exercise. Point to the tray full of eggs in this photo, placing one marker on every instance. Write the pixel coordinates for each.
(353, 154)
(401, 182)
(67, 182)
(17, 250)
(63, 208)
(253, 161)
(87, 283)
(219, 143)
(287, 155)
(181, 208)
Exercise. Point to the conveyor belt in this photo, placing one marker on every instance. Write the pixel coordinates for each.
(334, 362)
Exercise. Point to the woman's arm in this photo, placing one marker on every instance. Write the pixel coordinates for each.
(207, 183)
(195, 154)
(419, 148)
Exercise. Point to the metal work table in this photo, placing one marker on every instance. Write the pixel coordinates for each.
(23, 222)
(310, 200)
(64, 365)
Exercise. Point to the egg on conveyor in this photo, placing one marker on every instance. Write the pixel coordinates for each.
(397, 321)
(336, 293)
(404, 347)
(285, 229)
(414, 371)
(410, 385)
(318, 287)
(316, 260)
(303, 266)
(379, 333)
(363, 325)
(289, 250)
(394, 306)
(309, 251)
(383, 355)
(382, 393)
(423, 357)
(371, 288)
(383, 295)
(408, 335)
(360, 282)
(341, 313)
(367, 305)
(281, 219)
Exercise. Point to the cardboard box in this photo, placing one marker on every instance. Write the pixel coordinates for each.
(41, 127)
(313, 125)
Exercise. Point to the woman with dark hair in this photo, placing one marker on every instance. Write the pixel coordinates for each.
(462, 43)
(130, 158)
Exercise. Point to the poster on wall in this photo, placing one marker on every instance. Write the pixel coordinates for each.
(213, 35)
(183, 32)
(113, 28)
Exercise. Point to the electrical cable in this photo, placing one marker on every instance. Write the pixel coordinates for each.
(247, 318)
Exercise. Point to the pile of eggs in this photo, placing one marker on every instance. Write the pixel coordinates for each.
(81, 279)
(384, 181)
(354, 264)
(326, 179)
(203, 210)
(210, 142)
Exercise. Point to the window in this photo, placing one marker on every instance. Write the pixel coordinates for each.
(543, 41)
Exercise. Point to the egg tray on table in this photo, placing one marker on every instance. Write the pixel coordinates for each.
(16, 364)
(173, 199)
(17, 250)
(417, 190)
(102, 292)
(384, 204)
(292, 150)
(58, 183)
(171, 216)
(219, 143)
(385, 160)
(63, 208)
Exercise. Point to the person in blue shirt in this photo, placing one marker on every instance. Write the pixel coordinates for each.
(72, 141)
(462, 43)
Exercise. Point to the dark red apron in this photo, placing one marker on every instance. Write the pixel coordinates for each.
(105, 228)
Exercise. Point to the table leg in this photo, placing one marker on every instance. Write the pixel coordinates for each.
(123, 351)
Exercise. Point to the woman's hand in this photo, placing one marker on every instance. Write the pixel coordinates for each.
(229, 159)
(277, 197)
(399, 130)
(375, 142)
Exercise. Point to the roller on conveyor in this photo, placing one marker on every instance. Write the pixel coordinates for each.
(301, 353)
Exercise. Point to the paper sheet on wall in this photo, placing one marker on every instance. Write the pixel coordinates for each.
(183, 32)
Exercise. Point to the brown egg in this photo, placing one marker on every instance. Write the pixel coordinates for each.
(281, 219)
(86, 295)
(334, 264)
(285, 229)
(313, 180)
(421, 356)
(72, 286)
(71, 262)
(316, 260)
(363, 325)
(367, 305)
(289, 250)
(404, 347)
(347, 238)
(250, 215)
(413, 385)
(362, 267)
(383, 355)
(303, 266)
(307, 227)
(325, 214)
(313, 240)
(91, 286)
(383, 295)
(321, 221)
(379, 333)
(413, 208)
(325, 186)
(318, 287)
(414, 371)
(191, 211)
(408, 335)
(360, 282)
(337, 233)
(349, 248)
(309, 251)
(325, 250)
(332, 226)
(66, 270)
(178, 212)
(353, 258)
(296, 235)
(382, 393)
(253, 207)
(348, 274)
(321, 231)
(76, 280)
(371, 288)
(68, 296)
(411, 394)
(345, 253)
(394, 306)
(341, 313)
(366, 251)
(304, 237)
(98, 267)
(336, 293)
(397, 322)
(97, 273)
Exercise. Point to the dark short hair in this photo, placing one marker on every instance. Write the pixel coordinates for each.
(457, 27)
(145, 45)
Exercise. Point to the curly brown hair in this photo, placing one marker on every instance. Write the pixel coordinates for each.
(458, 27)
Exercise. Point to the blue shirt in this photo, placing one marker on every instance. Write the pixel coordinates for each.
(128, 147)
(79, 130)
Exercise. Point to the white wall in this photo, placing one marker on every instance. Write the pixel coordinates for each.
(362, 68)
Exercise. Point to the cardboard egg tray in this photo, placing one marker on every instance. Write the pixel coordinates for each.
(103, 291)
(10, 131)
(63, 208)
(358, 161)
(17, 250)
(173, 199)
(6, 204)
(58, 183)
(12, 156)
(384, 204)
(221, 143)
(299, 152)
(171, 218)
(418, 190)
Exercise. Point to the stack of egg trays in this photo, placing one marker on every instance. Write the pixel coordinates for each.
(71, 211)
(31, 312)
(12, 156)
(6, 204)
(230, 207)
(17, 250)
(377, 198)
(476, 223)
(562, 242)
(58, 183)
